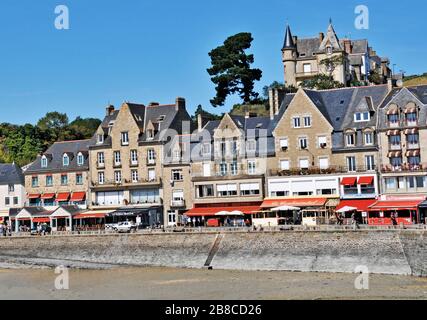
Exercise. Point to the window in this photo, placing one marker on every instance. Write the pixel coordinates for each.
(323, 192)
(251, 167)
(395, 140)
(323, 142)
(177, 175)
(151, 175)
(226, 190)
(117, 176)
(134, 157)
(323, 163)
(410, 182)
(99, 138)
(234, 168)
(307, 67)
(413, 139)
(284, 143)
(411, 118)
(351, 164)
(101, 159)
(80, 159)
(205, 191)
(329, 50)
(101, 177)
(64, 180)
(369, 138)
(44, 162)
(117, 158)
(284, 165)
(150, 134)
(151, 155)
(350, 139)
(396, 162)
(223, 169)
(393, 118)
(79, 179)
(303, 144)
(15, 201)
(34, 182)
(223, 148)
(178, 197)
(249, 189)
(296, 122)
(414, 161)
(390, 183)
(65, 160)
(7, 201)
(171, 217)
(307, 121)
(11, 187)
(233, 147)
(49, 181)
(206, 169)
(304, 164)
(362, 116)
(370, 163)
(125, 138)
(135, 176)
(251, 145)
(206, 149)
(421, 182)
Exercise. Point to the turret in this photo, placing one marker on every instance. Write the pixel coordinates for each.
(289, 58)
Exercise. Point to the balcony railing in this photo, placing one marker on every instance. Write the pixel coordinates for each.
(126, 182)
(317, 170)
(178, 203)
(228, 174)
(404, 168)
(395, 146)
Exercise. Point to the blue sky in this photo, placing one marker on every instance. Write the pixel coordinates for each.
(148, 50)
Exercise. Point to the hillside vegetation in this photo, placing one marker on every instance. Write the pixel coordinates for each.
(416, 80)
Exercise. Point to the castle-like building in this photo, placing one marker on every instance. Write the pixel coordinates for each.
(348, 61)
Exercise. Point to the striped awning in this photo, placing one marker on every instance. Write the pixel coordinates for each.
(413, 153)
(393, 132)
(411, 131)
(394, 154)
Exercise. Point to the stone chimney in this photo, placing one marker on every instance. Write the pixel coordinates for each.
(180, 104)
(390, 84)
(275, 96)
(109, 110)
(321, 36)
(347, 46)
(271, 103)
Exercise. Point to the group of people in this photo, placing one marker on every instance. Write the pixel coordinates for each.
(5, 229)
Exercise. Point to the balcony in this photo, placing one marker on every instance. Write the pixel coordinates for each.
(395, 146)
(404, 168)
(413, 146)
(178, 203)
(126, 183)
(319, 171)
(197, 176)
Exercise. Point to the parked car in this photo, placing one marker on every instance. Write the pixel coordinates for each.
(126, 227)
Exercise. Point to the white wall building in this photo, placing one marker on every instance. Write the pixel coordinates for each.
(12, 189)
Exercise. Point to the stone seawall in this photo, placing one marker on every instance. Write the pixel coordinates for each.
(386, 252)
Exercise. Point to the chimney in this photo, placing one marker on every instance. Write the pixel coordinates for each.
(199, 122)
(321, 36)
(276, 101)
(390, 84)
(247, 115)
(271, 103)
(153, 104)
(109, 110)
(347, 46)
(180, 104)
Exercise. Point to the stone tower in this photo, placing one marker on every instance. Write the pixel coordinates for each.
(289, 58)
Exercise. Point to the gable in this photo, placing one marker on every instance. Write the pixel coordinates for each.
(227, 128)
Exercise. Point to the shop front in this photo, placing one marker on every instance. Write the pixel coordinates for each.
(399, 210)
(62, 218)
(222, 214)
(143, 217)
(90, 220)
(347, 208)
(29, 218)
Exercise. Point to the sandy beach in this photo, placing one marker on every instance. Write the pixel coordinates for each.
(189, 284)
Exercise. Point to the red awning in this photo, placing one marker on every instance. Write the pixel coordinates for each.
(48, 196)
(34, 196)
(41, 220)
(348, 181)
(395, 205)
(361, 205)
(298, 202)
(366, 181)
(61, 197)
(78, 196)
(211, 211)
(90, 216)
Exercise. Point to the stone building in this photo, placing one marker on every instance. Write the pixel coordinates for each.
(59, 176)
(346, 60)
(127, 157)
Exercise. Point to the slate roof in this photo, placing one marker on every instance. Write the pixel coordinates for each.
(55, 154)
(11, 174)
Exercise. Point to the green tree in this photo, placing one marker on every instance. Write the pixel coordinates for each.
(231, 70)
(321, 82)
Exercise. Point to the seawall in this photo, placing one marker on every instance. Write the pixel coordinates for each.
(383, 252)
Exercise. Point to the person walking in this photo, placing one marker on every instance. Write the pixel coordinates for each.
(354, 221)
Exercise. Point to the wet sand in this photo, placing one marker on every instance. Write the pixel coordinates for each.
(188, 284)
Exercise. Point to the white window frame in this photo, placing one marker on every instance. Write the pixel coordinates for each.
(296, 122)
(80, 159)
(307, 119)
(65, 160)
(118, 176)
(134, 157)
(101, 177)
(251, 167)
(44, 162)
(117, 158)
(135, 176)
(125, 138)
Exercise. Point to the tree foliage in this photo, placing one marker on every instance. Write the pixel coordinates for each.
(231, 70)
(321, 82)
(22, 144)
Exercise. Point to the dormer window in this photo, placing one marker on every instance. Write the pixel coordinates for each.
(80, 159)
(65, 160)
(362, 116)
(125, 138)
(329, 50)
(44, 162)
(350, 139)
(99, 138)
(150, 134)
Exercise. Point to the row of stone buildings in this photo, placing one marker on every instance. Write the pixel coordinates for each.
(317, 149)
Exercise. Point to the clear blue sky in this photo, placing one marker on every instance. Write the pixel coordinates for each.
(150, 50)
